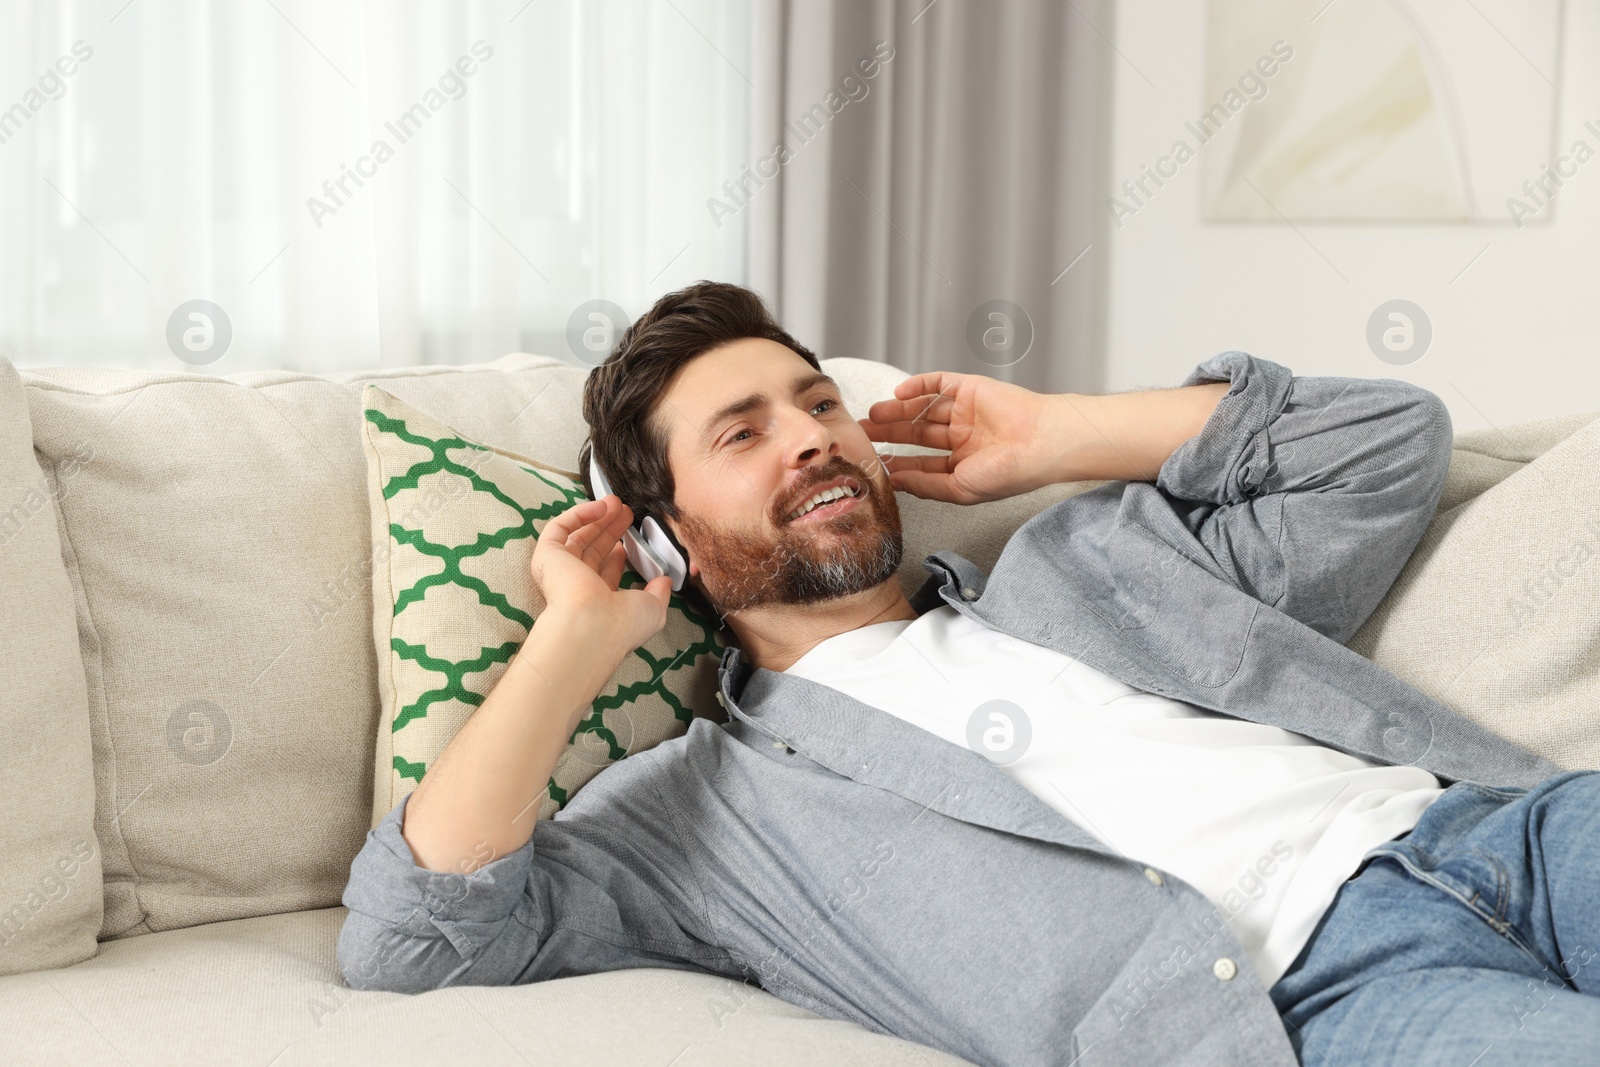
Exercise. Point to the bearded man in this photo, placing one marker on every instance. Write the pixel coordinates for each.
(1128, 799)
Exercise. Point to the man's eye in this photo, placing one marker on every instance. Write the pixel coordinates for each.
(819, 403)
(736, 436)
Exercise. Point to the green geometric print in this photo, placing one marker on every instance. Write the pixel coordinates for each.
(677, 650)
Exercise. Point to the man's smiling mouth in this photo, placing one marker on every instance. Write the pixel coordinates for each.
(832, 499)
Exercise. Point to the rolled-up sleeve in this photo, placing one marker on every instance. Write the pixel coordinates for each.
(603, 886)
(1312, 492)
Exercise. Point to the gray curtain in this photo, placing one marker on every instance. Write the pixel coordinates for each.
(969, 167)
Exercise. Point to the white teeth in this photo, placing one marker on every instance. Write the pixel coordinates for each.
(821, 498)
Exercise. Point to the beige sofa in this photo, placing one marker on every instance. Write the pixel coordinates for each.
(191, 707)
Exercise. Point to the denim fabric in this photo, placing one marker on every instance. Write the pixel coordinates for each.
(1474, 939)
(860, 867)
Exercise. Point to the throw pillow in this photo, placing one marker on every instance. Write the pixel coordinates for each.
(454, 523)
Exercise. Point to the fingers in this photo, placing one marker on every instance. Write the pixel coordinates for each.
(930, 464)
(917, 432)
(661, 589)
(930, 485)
(611, 570)
(559, 529)
(600, 537)
(553, 536)
(590, 529)
(920, 416)
(927, 477)
(919, 408)
(929, 383)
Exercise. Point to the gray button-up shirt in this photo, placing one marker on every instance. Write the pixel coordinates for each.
(863, 868)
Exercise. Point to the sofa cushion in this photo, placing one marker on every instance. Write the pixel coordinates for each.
(219, 554)
(267, 991)
(49, 861)
(455, 522)
(1497, 612)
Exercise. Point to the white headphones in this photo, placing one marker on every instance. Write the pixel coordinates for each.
(649, 549)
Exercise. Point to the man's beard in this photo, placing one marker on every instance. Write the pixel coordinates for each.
(834, 557)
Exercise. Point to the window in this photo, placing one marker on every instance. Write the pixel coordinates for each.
(358, 185)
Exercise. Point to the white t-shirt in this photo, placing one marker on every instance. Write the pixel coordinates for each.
(1265, 822)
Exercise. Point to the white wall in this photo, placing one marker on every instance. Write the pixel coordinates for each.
(1514, 337)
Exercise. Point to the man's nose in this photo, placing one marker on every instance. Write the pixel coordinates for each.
(813, 441)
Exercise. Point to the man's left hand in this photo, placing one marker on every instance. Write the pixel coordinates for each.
(995, 433)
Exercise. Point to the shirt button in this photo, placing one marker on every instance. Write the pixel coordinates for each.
(1153, 874)
(968, 593)
(1224, 968)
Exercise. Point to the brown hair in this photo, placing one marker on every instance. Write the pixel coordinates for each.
(620, 395)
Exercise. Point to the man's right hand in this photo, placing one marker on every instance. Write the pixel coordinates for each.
(481, 797)
(577, 566)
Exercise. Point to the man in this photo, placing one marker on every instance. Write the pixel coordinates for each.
(1126, 800)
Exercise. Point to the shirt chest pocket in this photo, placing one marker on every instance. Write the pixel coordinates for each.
(1192, 623)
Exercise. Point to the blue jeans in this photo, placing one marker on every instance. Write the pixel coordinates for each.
(1472, 940)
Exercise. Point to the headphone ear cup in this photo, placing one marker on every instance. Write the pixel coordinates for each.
(671, 558)
(653, 543)
(645, 559)
(672, 540)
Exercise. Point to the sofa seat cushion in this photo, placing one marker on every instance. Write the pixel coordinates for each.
(267, 991)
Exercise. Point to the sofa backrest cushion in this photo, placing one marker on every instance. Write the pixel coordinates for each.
(50, 899)
(216, 546)
(1497, 612)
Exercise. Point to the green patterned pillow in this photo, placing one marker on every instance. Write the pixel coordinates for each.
(454, 524)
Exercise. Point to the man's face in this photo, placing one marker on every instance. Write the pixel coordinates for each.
(754, 432)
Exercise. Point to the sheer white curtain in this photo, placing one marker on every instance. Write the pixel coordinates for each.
(358, 184)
